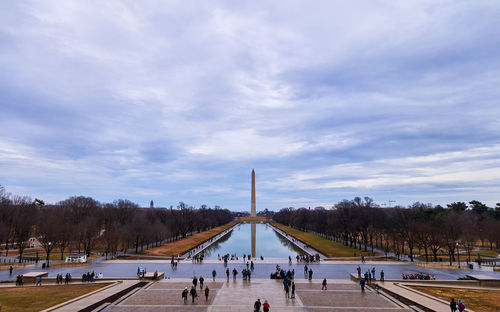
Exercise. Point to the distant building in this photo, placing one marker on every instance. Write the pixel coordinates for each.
(80, 258)
(33, 242)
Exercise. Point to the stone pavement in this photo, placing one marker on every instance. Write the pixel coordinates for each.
(240, 295)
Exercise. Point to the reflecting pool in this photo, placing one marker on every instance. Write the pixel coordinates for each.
(267, 243)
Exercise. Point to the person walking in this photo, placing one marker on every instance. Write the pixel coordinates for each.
(201, 282)
(184, 294)
(324, 285)
(362, 283)
(266, 306)
(193, 293)
(207, 291)
(214, 273)
(359, 271)
(453, 305)
(293, 290)
(256, 306)
(227, 273)
(287, 291)
(195, 282)
(10, 270)
(460, 305)
(373, 272)
(310, 274)
(382, 275)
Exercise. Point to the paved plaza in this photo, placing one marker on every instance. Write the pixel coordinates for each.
(240, 295)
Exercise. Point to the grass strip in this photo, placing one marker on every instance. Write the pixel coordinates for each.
(183, 245)
(326, 246)
(475, 299)
(28, 299)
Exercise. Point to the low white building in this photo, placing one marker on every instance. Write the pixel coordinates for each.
(80, 258)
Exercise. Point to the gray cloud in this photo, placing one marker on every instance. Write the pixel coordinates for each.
(179, 101)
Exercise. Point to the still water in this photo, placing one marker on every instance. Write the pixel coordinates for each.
(267, 243)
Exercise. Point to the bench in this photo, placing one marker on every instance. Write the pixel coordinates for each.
(33, 276)
(150, 275)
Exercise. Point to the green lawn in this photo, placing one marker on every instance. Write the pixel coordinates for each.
(325, 246)
(31, 299)
(183, 245)
(486, 252)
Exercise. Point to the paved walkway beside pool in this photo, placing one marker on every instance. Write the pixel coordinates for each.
(240, 295)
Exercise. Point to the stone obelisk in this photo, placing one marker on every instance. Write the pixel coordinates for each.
(252, 211)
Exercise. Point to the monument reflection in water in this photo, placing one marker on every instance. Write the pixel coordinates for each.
(253, 239)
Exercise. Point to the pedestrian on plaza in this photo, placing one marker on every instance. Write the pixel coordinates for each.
(305, 269)
(227, 273)
(39, 281)
(184, 294)
(207, 291)
(362, 283)
(382, 275)
(235, 272)
(214, 273)
(266, 306)
(359, 271)
(310, 274)
(293, 290)
(256, 306)
(287, 291)
(453, 305)
(324, 285)
(195, 281)
(373, 272)
(193, 293)
(10, 270)
(201, 282)
(362, 259)
(461, 306)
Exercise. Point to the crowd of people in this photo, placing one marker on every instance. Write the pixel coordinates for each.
(20, 280)
(282, 274)
(307, 258)
(67, 278)
(418, 276)
(90, 277)
(192, 292)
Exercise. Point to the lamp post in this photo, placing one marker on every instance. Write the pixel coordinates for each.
(458, 255)
(48, 254)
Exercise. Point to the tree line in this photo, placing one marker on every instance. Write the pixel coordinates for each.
(360, 223)
(83, 224)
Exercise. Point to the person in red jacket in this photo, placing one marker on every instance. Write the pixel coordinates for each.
(266, 306)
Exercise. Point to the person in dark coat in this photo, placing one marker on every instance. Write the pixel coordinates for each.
(453, 305)
(256, 306)
(193, 293)
(207, 292)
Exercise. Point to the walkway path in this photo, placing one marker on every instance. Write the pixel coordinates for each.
(239, 295)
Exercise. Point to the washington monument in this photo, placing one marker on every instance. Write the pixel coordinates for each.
(252, 211)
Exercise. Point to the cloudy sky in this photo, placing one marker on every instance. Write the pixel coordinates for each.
(178, 100)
